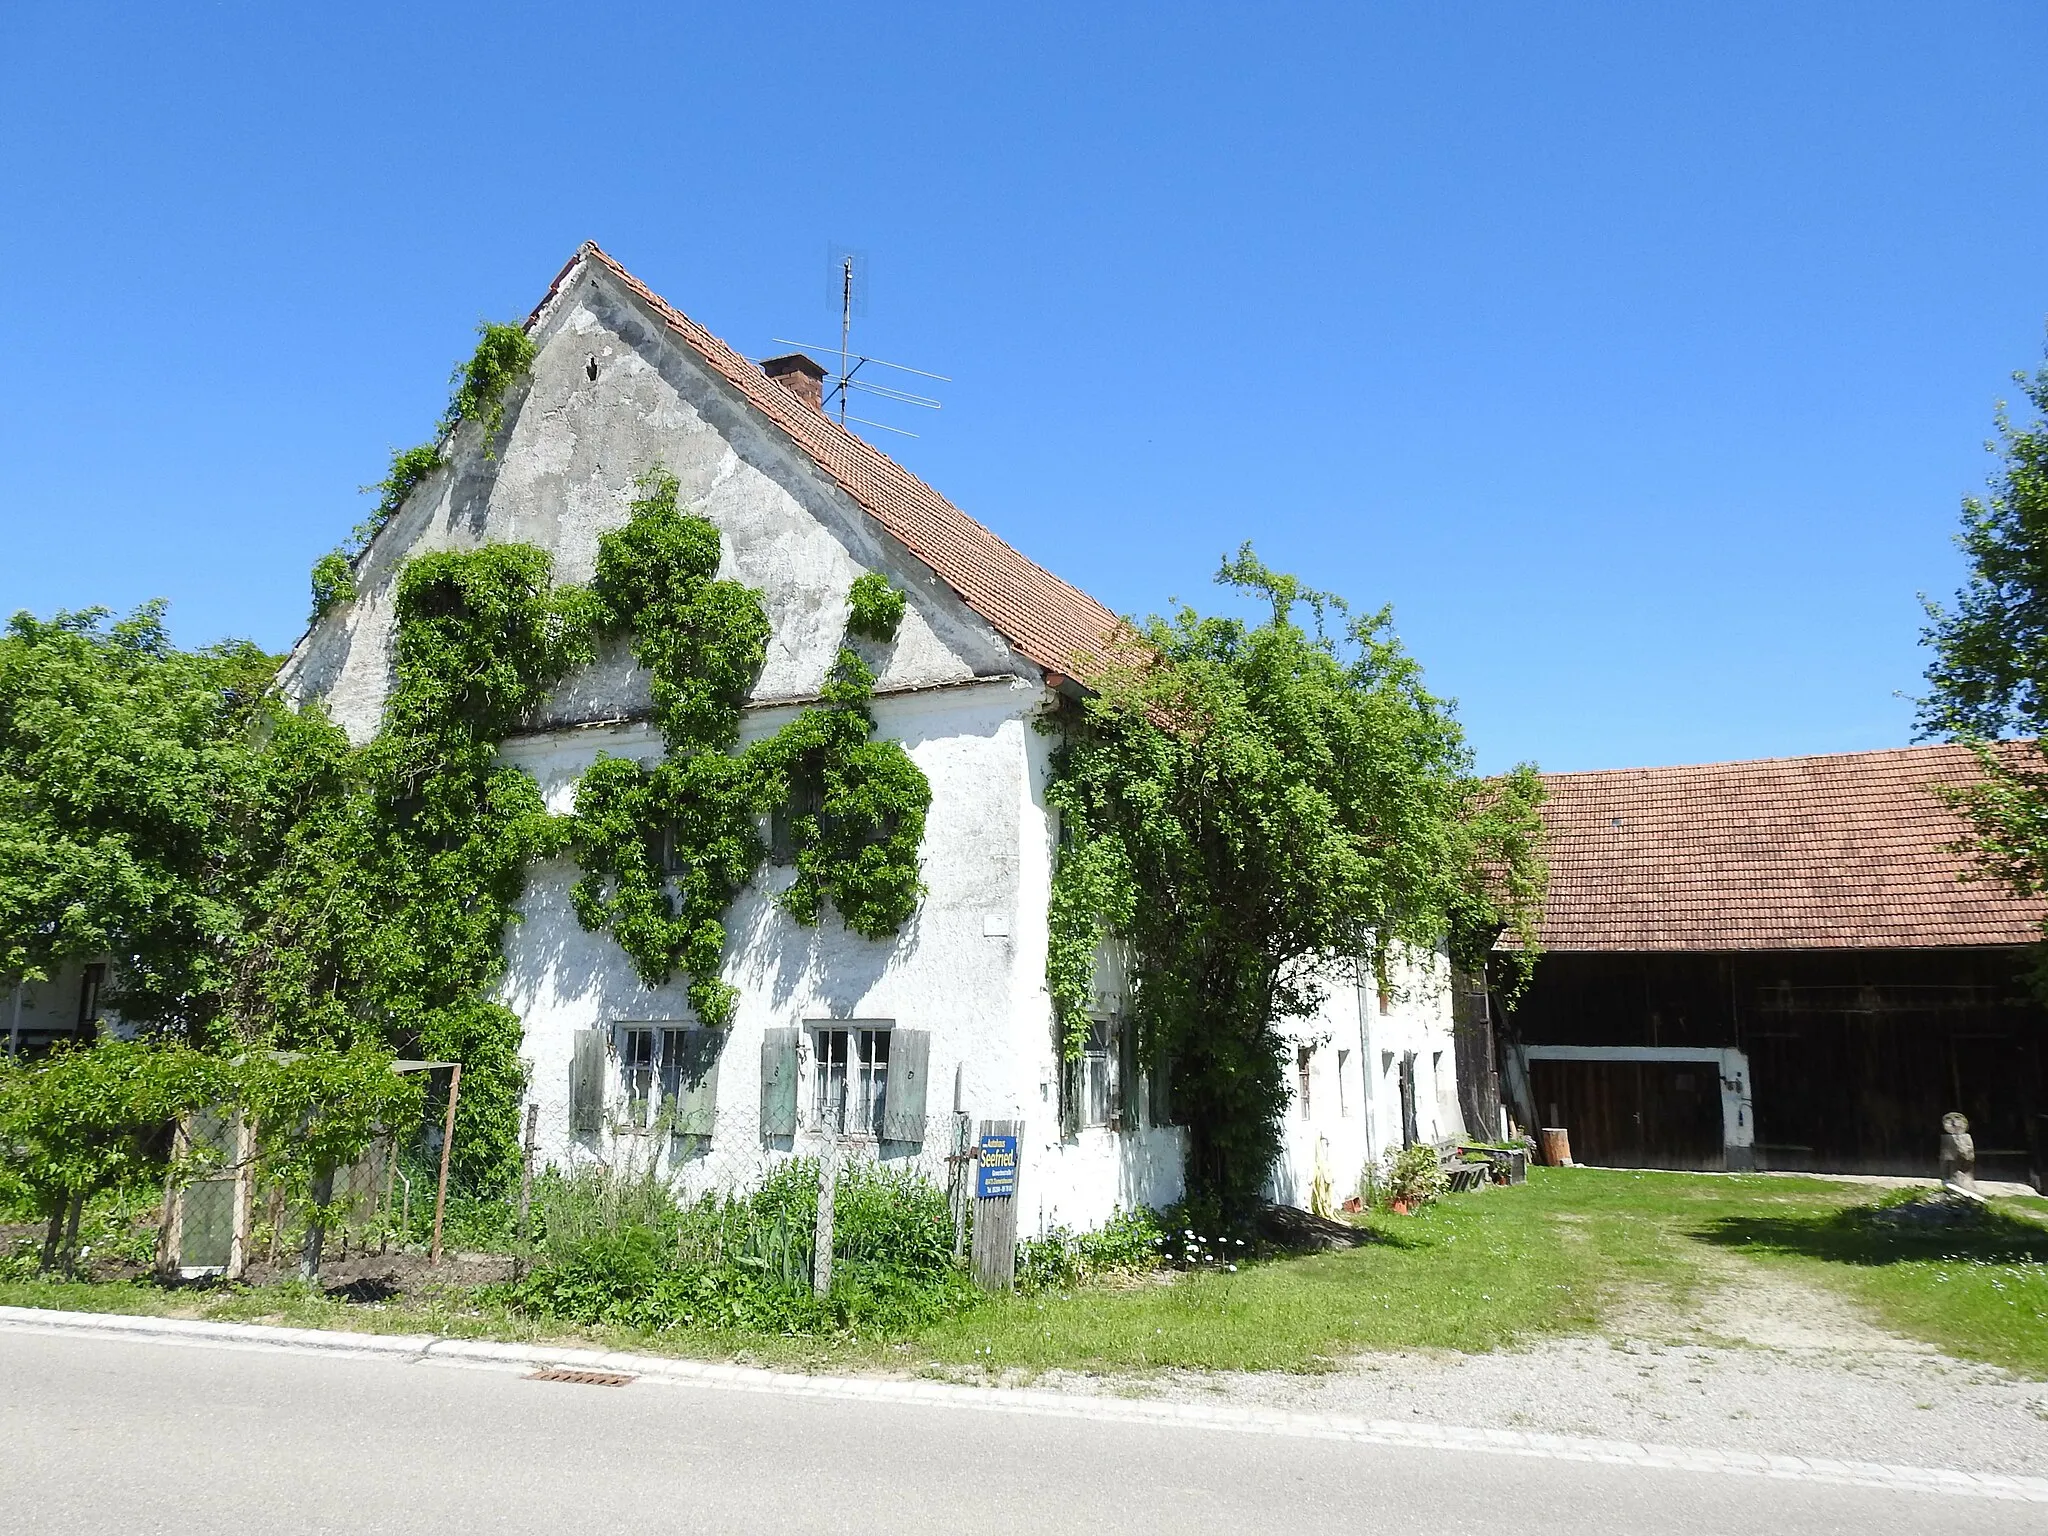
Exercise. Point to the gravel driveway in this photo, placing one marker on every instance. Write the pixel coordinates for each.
(1764, 1363)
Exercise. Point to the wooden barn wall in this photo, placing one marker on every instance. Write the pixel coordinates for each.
(1854, 1054)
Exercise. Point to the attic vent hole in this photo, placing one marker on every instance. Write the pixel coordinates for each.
(590, 370)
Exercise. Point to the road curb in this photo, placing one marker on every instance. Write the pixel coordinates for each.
(429, 1349)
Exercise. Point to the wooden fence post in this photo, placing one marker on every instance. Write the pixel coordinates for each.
(821, 1239)
(447, 1146)
(526, 1150)
(998, 1146)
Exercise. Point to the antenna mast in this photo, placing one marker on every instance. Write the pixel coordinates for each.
(845, 326)
(852, 294)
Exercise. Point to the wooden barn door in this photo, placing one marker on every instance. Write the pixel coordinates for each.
(1634, 1114)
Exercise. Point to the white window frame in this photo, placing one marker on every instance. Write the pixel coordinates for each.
(1343, 1084)
(1304, 1069)
(1094, 1074)
(848, 1061)
(650, 1058)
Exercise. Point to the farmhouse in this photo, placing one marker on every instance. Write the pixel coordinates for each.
(1777, 964)
(881, 1044)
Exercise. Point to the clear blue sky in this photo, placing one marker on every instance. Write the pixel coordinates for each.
(1637, 354)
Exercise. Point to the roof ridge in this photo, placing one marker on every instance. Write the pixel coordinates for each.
(1912, 749)
(1049, 621)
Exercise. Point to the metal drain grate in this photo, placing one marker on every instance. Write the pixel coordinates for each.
(583, 1378)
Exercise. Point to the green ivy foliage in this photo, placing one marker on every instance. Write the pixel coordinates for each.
(874, 608)
(702, 640)
(1242, 805)
(502, 357)
(665, 848)
(334, 583)
(384, 919)
(859, 849)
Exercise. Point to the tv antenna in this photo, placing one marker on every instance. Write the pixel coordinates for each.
(852, 273)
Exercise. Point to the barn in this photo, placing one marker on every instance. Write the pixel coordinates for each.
(1779, 964)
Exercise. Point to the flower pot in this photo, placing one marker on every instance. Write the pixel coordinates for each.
(1401, 1207)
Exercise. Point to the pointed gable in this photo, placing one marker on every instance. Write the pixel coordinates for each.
(1049, 622)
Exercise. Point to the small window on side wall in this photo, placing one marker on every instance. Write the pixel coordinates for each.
(1088, 1082)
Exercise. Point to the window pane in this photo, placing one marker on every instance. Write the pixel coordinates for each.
(637, 1067)
(874, 1080)
(672, 1046)
(831, 1078)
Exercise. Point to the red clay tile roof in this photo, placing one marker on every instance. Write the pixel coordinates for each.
(1048, 621)
(1847, 851)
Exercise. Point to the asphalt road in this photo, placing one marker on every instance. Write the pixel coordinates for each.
(130, 1436)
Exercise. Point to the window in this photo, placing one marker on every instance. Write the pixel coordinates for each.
(1303, 1054)
(1095, 1093)
(1088, 1083)
(850, 1080)
(806, 798)
(1344, 1083)
(668, 1073)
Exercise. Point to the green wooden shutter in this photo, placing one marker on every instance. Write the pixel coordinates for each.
(1123, 1042)
(697, 1081)
(910, 1054)
(778, 1081)
(586, 1081)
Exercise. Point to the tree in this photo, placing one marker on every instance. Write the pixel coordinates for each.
(1989, 677)
(1251, 810)
(125, 772)
(88, 1118)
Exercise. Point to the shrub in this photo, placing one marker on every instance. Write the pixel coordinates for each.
(87, 1119)
(620, 1249)
(1130, 1242)
(1414, 1174)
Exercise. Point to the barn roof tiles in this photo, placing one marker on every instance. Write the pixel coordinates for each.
(1846, 851)
(1050, 622)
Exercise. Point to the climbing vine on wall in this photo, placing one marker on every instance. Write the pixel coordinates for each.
(502, 356)
(383, 919)
(666, 847)
(1248, 808)
(390, 871)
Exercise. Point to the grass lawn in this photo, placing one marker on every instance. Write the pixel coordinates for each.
(1478, 1272)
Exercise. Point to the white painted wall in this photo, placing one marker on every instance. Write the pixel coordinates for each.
(956, 970)
(1354, 1116)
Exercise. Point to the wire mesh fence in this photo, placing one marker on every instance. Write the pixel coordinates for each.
(227, 1210)
(647, 1166)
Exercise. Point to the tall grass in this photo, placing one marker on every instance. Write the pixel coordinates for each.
(619, 1247)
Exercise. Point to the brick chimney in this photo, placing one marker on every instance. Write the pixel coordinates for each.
(800, 376)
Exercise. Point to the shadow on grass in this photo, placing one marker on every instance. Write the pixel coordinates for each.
(1888, 1233)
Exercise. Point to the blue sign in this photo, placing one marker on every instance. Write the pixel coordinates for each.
(995, 1174)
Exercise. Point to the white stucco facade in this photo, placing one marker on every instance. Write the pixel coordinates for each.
(613, 393)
